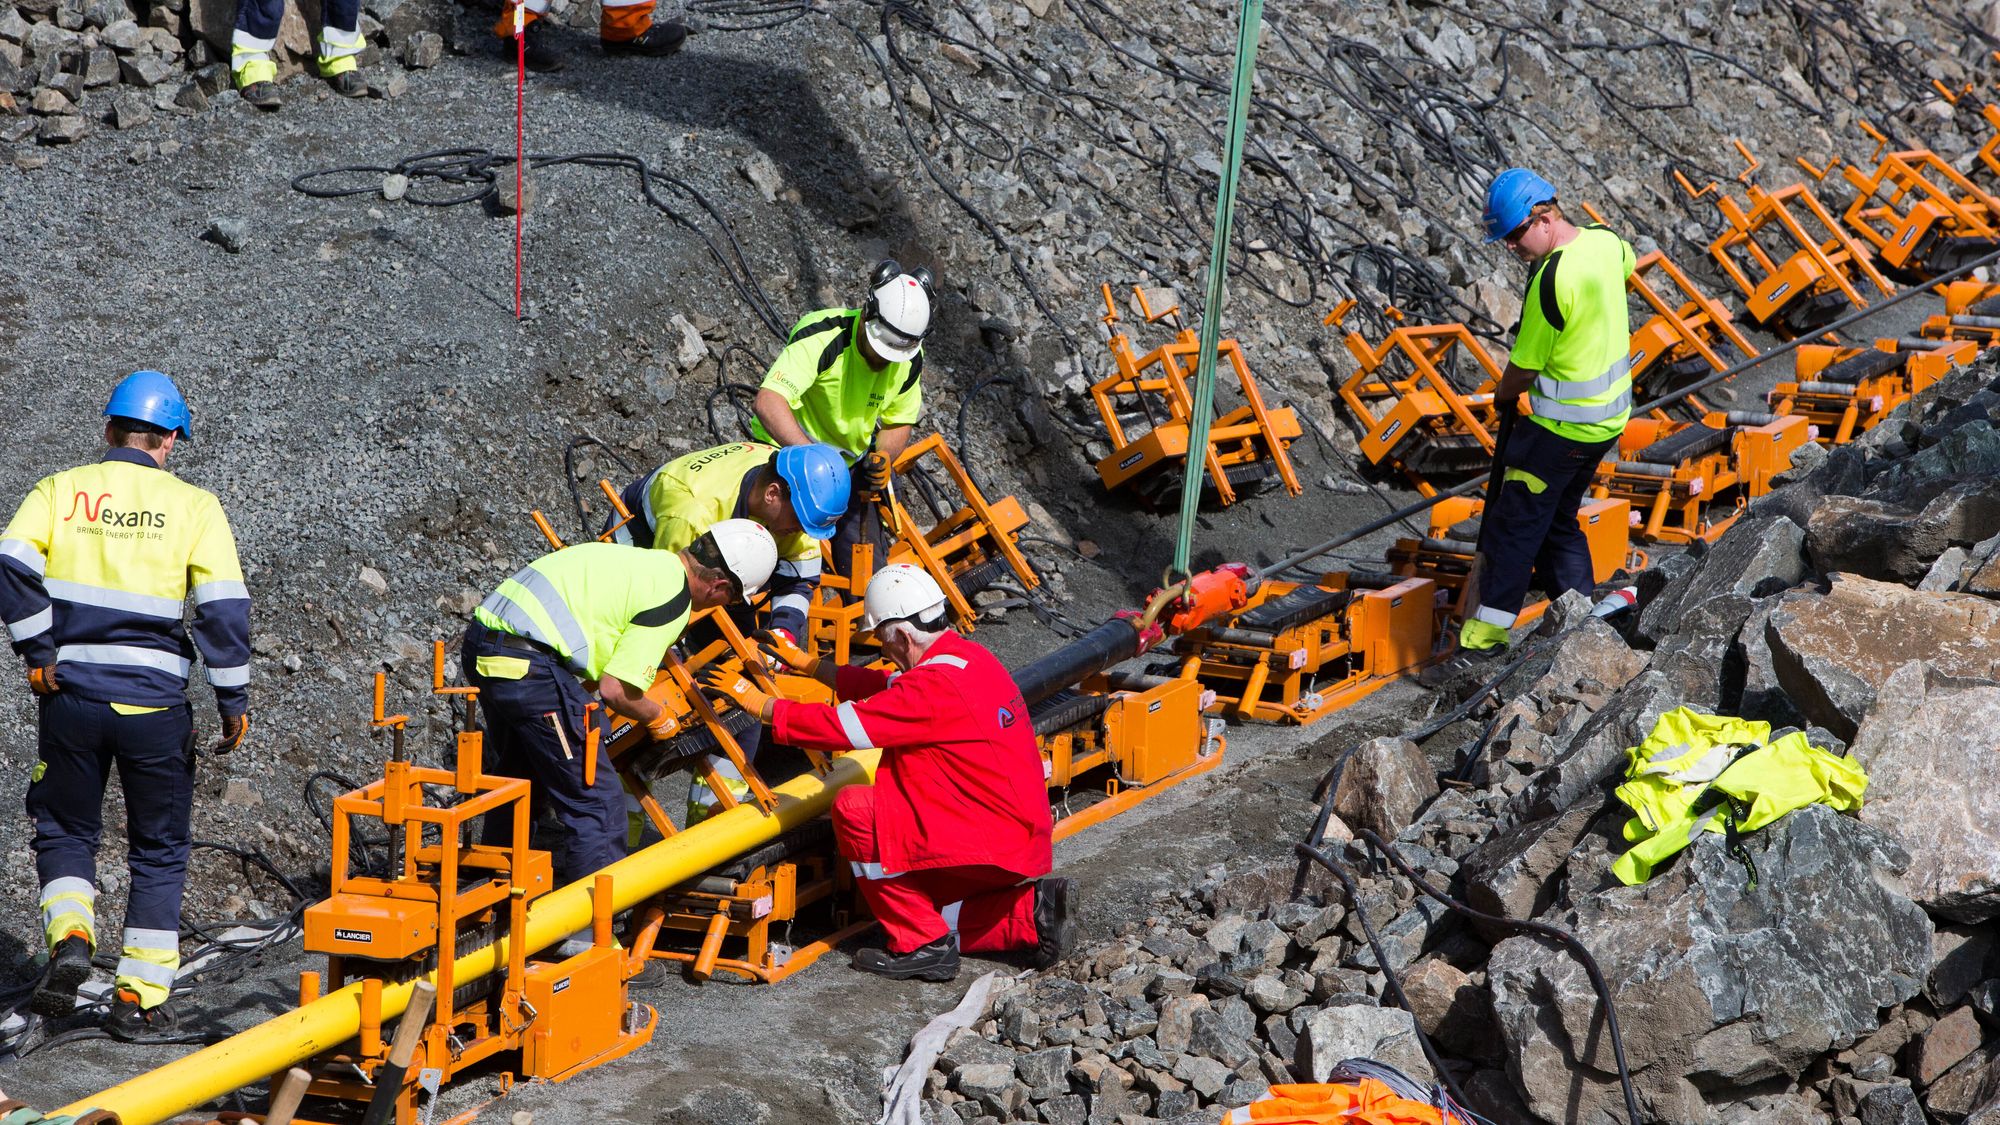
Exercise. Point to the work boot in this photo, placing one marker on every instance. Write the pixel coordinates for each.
(69, 967)
(133, 1024)
(263, 95)
(1055, 930)
(539, 43)
(349, 84)
(657, 41)
(935, 960)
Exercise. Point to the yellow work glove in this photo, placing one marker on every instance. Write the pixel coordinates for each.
(235, 728)
(43, 680)
(781, 653)
(875, 473)
(738, 689)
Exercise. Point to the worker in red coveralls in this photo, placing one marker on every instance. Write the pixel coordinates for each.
(951, 842)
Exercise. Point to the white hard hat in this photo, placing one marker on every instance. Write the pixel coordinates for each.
(748, 552)
(900, 592)
(898, 317)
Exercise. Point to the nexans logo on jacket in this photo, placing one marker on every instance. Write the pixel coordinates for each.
(100, 509)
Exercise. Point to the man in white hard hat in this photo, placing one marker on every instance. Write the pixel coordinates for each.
(950, 842)
(852, 378)
(601, 614)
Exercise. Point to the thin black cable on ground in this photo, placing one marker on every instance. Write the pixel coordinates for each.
(1557, 934)
(474, 174)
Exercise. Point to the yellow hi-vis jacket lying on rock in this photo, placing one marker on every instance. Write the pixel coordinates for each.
(1712, 773)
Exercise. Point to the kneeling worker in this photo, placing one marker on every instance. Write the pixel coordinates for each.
(950, 841)
(603, 614)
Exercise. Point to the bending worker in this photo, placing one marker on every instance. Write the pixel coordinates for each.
(950, 842)
(603, 614)
(1569, 359)
(796, 493)
(853, 378)
(94, 570)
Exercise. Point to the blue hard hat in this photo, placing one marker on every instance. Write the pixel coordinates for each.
(1513, 195)
(149, 396)
(817, 477)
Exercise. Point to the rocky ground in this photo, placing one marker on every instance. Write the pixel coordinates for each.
(378, 425)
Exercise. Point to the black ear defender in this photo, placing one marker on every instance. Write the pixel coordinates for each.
(924, 278)
(884, 272)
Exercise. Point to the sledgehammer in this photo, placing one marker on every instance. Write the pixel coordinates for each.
(389, 1079)
(285, 1102)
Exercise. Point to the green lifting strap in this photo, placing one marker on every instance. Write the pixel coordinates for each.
(1249, 25)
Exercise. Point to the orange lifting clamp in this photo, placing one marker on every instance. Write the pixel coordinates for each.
(1815, 270)
(1299, 651)
(1922, 216)
(971, 543)
(441, 892)
(1423, 397)
(740, 902)
(1971, 313)
(1246, 445)
(1690, 481)
(1445, 553)
(1845, 392)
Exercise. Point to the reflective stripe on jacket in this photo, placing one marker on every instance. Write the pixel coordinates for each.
(961, 777)
(95, 569)
(603, 608)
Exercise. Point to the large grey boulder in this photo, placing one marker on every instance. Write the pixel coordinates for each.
(1833, 651)
(1931, 746)
(1759, 555)
(1517, 874)
(1882, 540)
(1598, 748)
(1384, 785)
(1358, 1031)
(1718, 984)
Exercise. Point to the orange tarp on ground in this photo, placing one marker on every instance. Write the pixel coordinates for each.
(1366, 1102)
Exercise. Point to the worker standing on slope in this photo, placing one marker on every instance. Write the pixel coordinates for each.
(603, 614)
(1569, 359)
(950, 842)
(796, 493)
(853, 378)
(94, 571)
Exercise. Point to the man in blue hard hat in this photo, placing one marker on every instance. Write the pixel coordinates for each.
(1569, 363)
(797, 493)
(94, 571)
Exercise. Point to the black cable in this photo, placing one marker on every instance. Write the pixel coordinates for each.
(585, 532)
(1539, 929)
(1394, 982)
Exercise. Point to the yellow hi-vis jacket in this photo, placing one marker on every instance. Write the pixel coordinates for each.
(688, 495)
(95, 569)
(1712, 773)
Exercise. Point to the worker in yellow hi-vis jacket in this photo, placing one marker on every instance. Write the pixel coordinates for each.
(94, 570)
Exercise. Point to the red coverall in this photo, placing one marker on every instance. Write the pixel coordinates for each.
(958, 816)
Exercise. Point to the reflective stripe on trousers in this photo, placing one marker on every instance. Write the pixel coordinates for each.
(69, 905)
(151, 961)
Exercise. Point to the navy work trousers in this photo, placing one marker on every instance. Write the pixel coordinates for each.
(261, 18)
(1530, 538)
(534, 730)
(80, 741)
